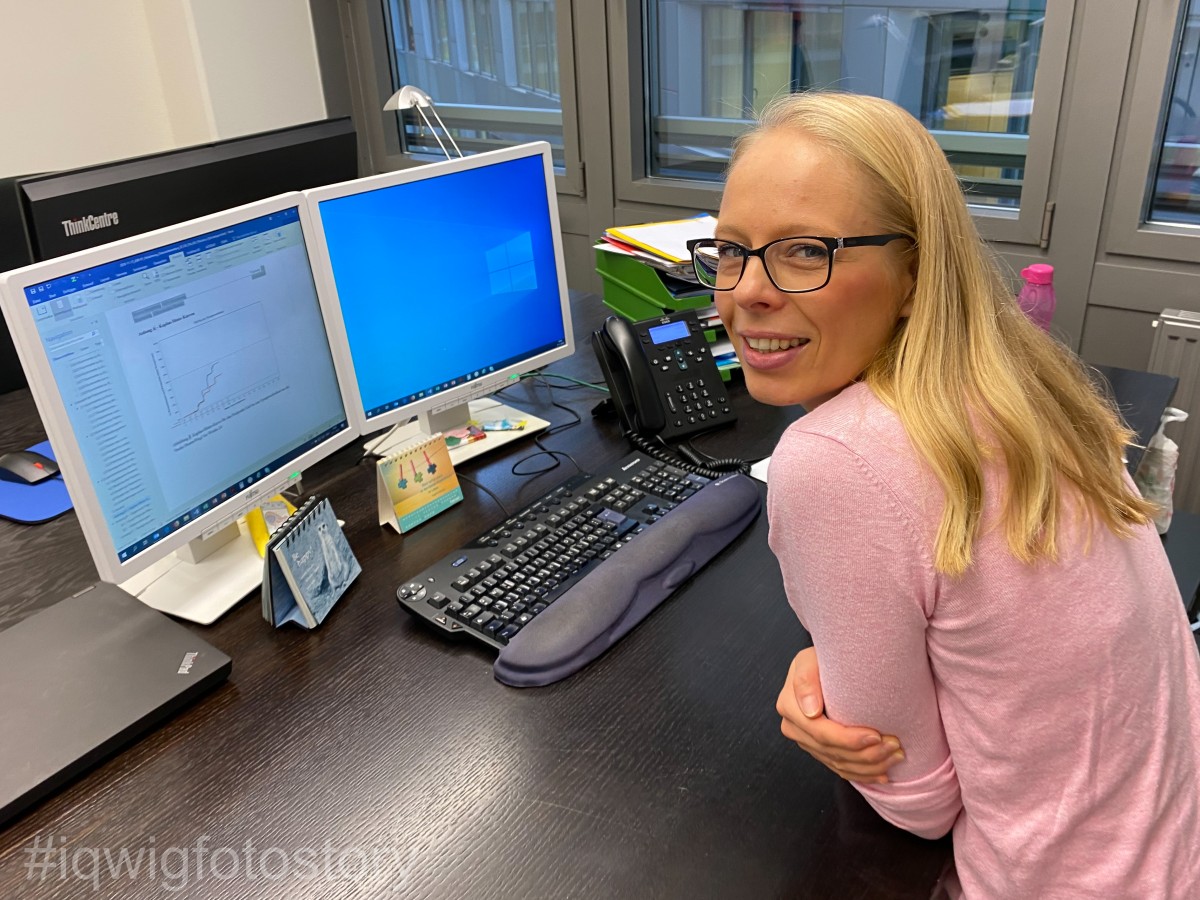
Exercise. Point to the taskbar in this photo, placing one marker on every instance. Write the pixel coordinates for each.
(231, 492)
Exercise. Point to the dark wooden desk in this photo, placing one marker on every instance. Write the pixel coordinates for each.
(1141, 397)
(374, 745)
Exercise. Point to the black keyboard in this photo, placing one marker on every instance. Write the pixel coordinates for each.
(555, 585)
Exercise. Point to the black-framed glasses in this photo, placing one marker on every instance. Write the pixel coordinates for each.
(795, 265)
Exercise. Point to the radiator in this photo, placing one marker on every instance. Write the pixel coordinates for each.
(1176, 351)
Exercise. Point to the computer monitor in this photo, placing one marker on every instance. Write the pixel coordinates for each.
(442, 284)
(47, 215)
(183, 377)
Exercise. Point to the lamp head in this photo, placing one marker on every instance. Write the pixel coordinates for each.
(408, 97)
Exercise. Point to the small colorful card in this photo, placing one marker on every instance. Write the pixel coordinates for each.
(308, 566)
(416, 483)
(468, 434)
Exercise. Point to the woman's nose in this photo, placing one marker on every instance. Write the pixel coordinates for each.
(755, 288)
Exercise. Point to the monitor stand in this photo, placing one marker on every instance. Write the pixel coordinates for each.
(204, 579)
(481, 411)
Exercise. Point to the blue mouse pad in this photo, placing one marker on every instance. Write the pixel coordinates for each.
(32, 504)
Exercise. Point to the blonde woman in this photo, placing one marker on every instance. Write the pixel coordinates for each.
(997, 625)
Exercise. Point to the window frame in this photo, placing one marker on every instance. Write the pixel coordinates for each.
(1151, 80)
(629, 67)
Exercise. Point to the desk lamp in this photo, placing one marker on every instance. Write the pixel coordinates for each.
(412, 97)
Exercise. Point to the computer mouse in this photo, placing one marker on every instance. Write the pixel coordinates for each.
(27, 467)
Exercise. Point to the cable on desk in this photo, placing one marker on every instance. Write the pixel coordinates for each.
(486, 490)
(545, 451)
(575, 382)
(554, 429)
(370, 449)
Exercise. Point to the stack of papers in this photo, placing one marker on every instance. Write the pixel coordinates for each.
(660, 244)
(667, 240)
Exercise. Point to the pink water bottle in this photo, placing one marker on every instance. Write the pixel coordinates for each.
(1037, 296)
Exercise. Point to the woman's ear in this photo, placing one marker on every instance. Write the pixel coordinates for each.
(908, 283)
(908, 280)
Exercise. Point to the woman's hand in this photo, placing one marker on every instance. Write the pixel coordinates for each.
(854, 752)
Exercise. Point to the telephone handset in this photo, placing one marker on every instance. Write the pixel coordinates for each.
(662, 376)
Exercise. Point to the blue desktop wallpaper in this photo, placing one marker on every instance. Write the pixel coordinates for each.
(442, 277)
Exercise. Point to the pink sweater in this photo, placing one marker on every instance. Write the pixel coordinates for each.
(1050, 714)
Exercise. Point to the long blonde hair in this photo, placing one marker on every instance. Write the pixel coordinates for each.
(969, 376)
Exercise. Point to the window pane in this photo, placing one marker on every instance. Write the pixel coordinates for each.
(1175, 196)
(491, 67)
(967, 74)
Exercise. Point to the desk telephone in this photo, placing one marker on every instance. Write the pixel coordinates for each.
(662, 376)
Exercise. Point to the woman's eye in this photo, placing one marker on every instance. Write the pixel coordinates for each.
(809, 251)
(805, 252)
(729, 251)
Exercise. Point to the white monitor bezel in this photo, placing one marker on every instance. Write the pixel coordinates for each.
(57, 423)
(327, 288)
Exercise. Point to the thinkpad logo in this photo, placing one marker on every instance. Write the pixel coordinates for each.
(90, 223)
(186, 666)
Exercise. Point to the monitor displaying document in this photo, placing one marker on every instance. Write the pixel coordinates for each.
(183, 376)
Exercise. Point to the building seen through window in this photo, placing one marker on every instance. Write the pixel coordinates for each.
(966, 73)
(491, 66)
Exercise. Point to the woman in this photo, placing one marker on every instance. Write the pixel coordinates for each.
(954, 523)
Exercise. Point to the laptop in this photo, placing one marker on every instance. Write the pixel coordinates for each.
(84, 678)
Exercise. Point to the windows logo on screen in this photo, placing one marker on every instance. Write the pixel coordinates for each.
(510, 265)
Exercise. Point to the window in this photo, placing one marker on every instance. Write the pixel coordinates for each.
(967, 74)
(441, 32)
(1155, 202)
(480, 56)
(537, 46)
(1174, 193)
(491, 67)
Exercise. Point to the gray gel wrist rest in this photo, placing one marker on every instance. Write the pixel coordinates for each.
(609, 601)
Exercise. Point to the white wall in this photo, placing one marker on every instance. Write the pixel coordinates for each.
(83, 82)
(259, 60)
(78, 85)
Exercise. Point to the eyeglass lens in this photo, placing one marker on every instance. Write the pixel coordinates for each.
(794, 264)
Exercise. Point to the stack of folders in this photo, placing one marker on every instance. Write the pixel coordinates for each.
(662, 245)
(307, 566)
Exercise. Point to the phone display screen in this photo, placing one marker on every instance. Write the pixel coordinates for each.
(675, 331)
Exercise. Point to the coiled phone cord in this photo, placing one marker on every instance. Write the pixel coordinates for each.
(709, 468)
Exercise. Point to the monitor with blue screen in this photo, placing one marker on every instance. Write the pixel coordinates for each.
(443, 283)
(183, 376)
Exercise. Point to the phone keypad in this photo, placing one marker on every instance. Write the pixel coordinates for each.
(686, 375)
(693, 403)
